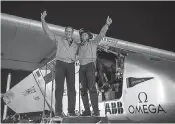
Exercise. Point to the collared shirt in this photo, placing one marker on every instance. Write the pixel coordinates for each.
(87, 52)
(65, 52)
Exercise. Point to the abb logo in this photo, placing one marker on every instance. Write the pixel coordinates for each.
(114, 108)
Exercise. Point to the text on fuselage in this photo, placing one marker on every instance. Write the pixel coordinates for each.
(145, 108)
(114, 108)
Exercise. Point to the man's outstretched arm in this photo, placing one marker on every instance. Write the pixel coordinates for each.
(46, 28)
(103, 31)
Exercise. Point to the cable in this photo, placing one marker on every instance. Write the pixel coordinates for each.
(52, 71)
(44, 95)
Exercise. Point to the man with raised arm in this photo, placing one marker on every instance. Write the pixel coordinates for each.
(65, 60)
(87, 59)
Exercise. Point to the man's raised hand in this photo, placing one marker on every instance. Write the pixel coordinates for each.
(108, 21)
(43, 15)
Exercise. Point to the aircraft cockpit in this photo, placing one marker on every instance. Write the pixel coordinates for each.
(109, 76)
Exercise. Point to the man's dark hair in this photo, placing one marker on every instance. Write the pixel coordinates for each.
(85, 31)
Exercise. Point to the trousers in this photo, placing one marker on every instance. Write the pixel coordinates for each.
(87, 80)
(64, 70)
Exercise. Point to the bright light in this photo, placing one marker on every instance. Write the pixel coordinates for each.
(161, 93)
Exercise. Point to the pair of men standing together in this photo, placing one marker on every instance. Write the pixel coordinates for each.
(66, 55)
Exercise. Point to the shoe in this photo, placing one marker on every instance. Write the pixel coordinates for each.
(96, 113)
(72, 114)
(86, 113)
(59, 116)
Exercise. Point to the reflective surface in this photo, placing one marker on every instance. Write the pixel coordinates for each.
(150, 100)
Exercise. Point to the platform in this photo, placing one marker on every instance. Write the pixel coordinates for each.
(88, 119)
(77, 119)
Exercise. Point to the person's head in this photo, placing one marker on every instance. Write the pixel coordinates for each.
(113, 67)
(85, 35)
(69, 32)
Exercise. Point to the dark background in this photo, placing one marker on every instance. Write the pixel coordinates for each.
(148, 23)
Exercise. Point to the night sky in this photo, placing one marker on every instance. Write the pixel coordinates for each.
(148, 23)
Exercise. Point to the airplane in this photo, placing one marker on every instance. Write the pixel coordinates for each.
(147, 78)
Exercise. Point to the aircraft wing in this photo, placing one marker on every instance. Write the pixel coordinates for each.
(26, 47)
(24, 44)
